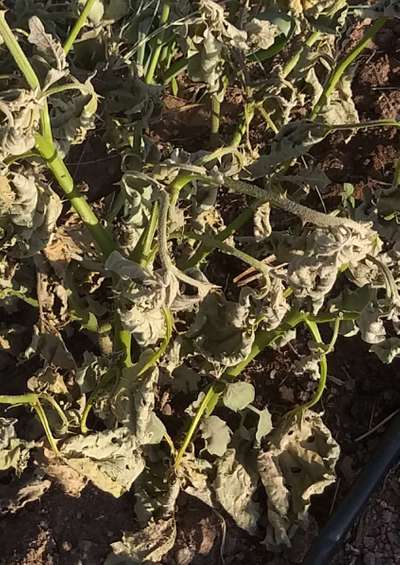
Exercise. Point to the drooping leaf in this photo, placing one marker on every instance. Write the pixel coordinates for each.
(134, 400)
(293, 140)
(50, 53)
(298, 463)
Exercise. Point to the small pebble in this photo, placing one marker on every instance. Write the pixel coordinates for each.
(66, 545)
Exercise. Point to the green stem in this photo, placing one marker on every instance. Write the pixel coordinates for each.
(149, 78)
(262, 340)
(215, 117)
(169, 324)
(80, 22)
(143, 251)
(178, 184)
(267, 118)
(32, 400)
(60, 172)
(18, 55)
(123, 342)
(204, 250)
(216, 243)
(323, 369)
(293, 62)
(207, 400)
(341, 68)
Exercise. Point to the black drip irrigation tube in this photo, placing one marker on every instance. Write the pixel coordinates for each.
(370, 477)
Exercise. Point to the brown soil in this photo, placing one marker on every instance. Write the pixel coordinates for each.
(63, 530)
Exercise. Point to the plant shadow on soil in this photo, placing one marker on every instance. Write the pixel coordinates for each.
(62, 530)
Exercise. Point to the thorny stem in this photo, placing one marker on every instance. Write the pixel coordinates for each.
(341, 68)
(204, 250)
(215, 117)
(57, 166)
(280, 201)
(163, 245)
(80, 22)
(217, 243)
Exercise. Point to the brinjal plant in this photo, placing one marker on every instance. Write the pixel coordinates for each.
(121, 297)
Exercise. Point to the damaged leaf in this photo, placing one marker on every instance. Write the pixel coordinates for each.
(298, 463)
(111, 459)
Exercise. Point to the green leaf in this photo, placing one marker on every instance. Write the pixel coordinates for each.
(238, 396)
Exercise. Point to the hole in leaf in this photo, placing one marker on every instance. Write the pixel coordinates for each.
(295, 470)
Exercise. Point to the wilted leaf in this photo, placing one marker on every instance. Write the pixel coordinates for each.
(112, 459)
(146, 546)
(262, 226)
(387, 350)
(238, 395)
(299, 463)
(51, 55)
(32, 209)
(293, 140)
(18, 498)
(221, 332)
(51, 348)
(73, 117)
(216, 435)
(134, 400)
(234, 488)
(20, 122)
(71, 481)
(14, 452)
